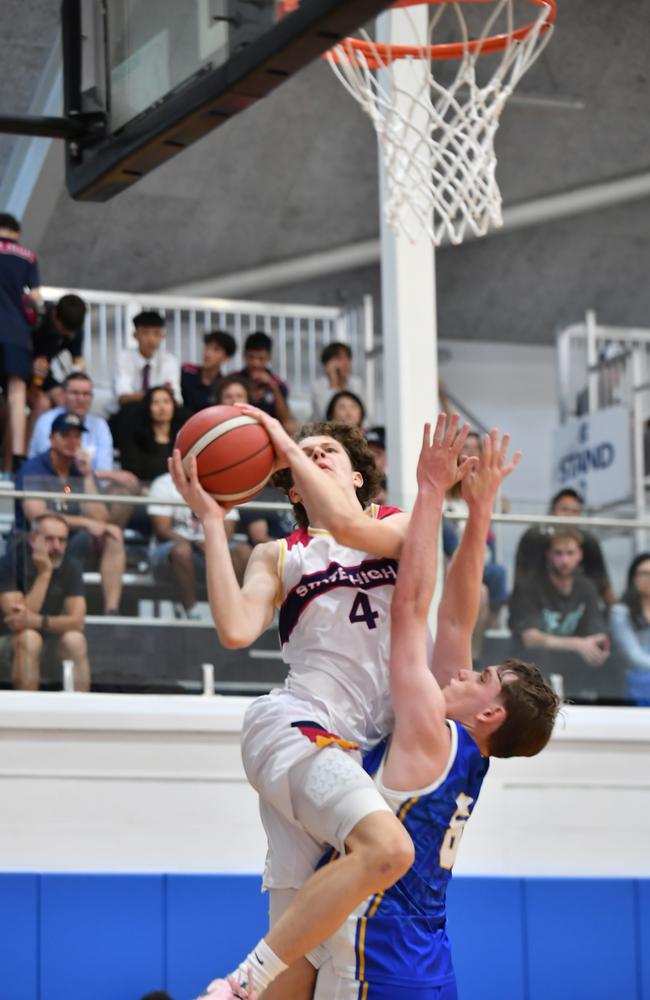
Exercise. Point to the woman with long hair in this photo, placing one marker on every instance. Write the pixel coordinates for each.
(151, 442)
(630, 628)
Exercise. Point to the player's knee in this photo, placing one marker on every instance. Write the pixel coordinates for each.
(383, 847)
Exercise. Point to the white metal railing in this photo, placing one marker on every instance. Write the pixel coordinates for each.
(298, 332)
(599, 366)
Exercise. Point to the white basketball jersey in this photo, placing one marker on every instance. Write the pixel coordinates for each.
(335, 627)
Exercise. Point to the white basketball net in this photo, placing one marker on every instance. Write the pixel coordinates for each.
(437, 141)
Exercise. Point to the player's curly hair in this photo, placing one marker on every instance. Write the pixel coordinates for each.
(361, 458)
(531, 709)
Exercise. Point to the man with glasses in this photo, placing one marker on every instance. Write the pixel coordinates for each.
(96, 440)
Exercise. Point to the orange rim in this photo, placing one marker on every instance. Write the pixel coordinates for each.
(376, 55)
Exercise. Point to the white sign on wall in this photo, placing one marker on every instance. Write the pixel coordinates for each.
(591, 454)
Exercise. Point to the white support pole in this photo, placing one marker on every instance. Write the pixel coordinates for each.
(409, 308)
(593, 375)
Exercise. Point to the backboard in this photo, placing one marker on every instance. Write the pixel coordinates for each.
(150, 77)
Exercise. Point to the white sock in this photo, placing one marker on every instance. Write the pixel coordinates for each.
(265, 965)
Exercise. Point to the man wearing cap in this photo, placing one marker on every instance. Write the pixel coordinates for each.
(65, 468)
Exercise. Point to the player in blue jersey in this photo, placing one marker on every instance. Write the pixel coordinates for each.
(430, 771)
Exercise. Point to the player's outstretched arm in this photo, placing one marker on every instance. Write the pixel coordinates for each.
(417, 698)
(240, 614)
(461, 596)
(329, 505)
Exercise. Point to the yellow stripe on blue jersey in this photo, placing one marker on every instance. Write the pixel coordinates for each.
(404, 927)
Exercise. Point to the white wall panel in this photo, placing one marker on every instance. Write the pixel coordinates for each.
(155, 783)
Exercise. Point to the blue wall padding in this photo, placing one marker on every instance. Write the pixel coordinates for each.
(117, 937)
(19, 936)
(569, 919)
(213, 921)
(102, 936)
(487, 930)
(643, 944)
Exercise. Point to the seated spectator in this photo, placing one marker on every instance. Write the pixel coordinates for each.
(18, 271)
(96, 440)
(151, 441)
(178, 556)
(268, 392)
(59, 330)
(266, 525)
(336, 359)
(199, 383)
(43, 605)
(531, 552)
(494, 574)
(557, 616)
(140, 368)
(346, 408)
(65, 468)
(630, 627)
(233, 389)
(495, 585)
(258, 525)
(376, 438)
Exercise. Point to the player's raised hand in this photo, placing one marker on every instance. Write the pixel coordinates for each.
(438, 466)
(484, 480)
(189, 487)
(282, 443)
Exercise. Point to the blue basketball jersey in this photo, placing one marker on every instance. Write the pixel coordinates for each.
(400, 936)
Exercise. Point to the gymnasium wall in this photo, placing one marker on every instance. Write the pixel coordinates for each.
(130, 853)
(116, 937)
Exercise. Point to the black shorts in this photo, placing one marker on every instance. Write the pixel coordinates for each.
(84, 547)
(15, 361)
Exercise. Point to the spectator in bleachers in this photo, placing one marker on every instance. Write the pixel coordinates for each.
(138, 369)
(494, 574)
(96, 440)
(346, 408)
(151, 441)
(233, 389)
(65, 468)
(530, 557)
(18, 271)
(59, 330)
(556, 614)
(178, 556)
(336, 359)
(258, 525)
(495, 585)
(43, 605)
(268, 392)
(199, 383)
(376, 438)
(630, 627)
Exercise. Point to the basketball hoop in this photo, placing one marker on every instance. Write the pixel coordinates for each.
(437, 139)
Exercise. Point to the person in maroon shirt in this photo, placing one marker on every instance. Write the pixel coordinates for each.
(268, 392)
(200, 383)
(18, 272)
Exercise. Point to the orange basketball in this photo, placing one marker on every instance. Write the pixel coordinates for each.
(234, 454)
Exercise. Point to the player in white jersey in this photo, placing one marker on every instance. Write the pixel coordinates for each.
(338, 590)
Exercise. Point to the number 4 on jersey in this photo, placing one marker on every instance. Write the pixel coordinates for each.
(361, 611)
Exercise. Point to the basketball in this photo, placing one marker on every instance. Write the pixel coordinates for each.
(233, 452)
